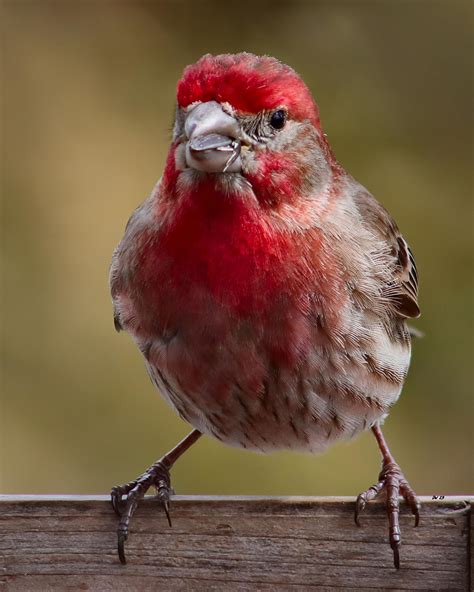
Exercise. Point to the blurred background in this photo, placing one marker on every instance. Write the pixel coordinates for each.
(87, 107)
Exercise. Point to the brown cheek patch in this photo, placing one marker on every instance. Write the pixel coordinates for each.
(278, 178)
(170, 174)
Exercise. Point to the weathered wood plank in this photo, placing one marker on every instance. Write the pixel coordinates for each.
(53, 543)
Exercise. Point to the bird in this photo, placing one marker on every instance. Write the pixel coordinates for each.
(267, 290)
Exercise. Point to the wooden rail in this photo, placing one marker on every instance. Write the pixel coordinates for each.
(56, 543)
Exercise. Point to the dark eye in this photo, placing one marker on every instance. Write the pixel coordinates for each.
(278, 119)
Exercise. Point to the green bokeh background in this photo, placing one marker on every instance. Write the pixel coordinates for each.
(88, 100)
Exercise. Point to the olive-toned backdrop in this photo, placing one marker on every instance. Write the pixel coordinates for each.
(88, 101)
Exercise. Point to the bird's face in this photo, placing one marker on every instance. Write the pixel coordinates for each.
(218, 138)
(246, 116)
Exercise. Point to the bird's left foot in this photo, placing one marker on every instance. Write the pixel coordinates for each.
(393, 483)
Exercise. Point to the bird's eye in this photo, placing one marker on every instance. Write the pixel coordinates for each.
(278, 119)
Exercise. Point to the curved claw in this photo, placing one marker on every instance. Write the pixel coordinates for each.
(412, 501)
(396, 557)
(416, 513)
(166, 507)
(360, 506)
(121, 538)
(415, 507)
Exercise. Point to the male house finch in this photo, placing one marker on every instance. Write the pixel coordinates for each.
(266, 288)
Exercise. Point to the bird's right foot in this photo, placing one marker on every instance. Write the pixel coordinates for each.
(157, 476)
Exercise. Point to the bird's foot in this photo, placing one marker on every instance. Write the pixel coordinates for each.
(158, 476)
(392, 483)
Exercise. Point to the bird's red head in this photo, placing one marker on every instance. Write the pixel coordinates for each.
(249, 83)
(245, 122)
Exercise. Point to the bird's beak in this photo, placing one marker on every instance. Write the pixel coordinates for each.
(213, 139)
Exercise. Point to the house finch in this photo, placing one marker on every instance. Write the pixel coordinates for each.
(266, 289)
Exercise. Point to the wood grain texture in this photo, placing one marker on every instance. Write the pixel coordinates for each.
(53, 543)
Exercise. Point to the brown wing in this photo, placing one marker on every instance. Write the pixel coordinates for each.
(407, 299)
(402, 292)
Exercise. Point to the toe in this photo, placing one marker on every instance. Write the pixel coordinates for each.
(116, 500)
(412, 501)
(359, 508)
(365, 497)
